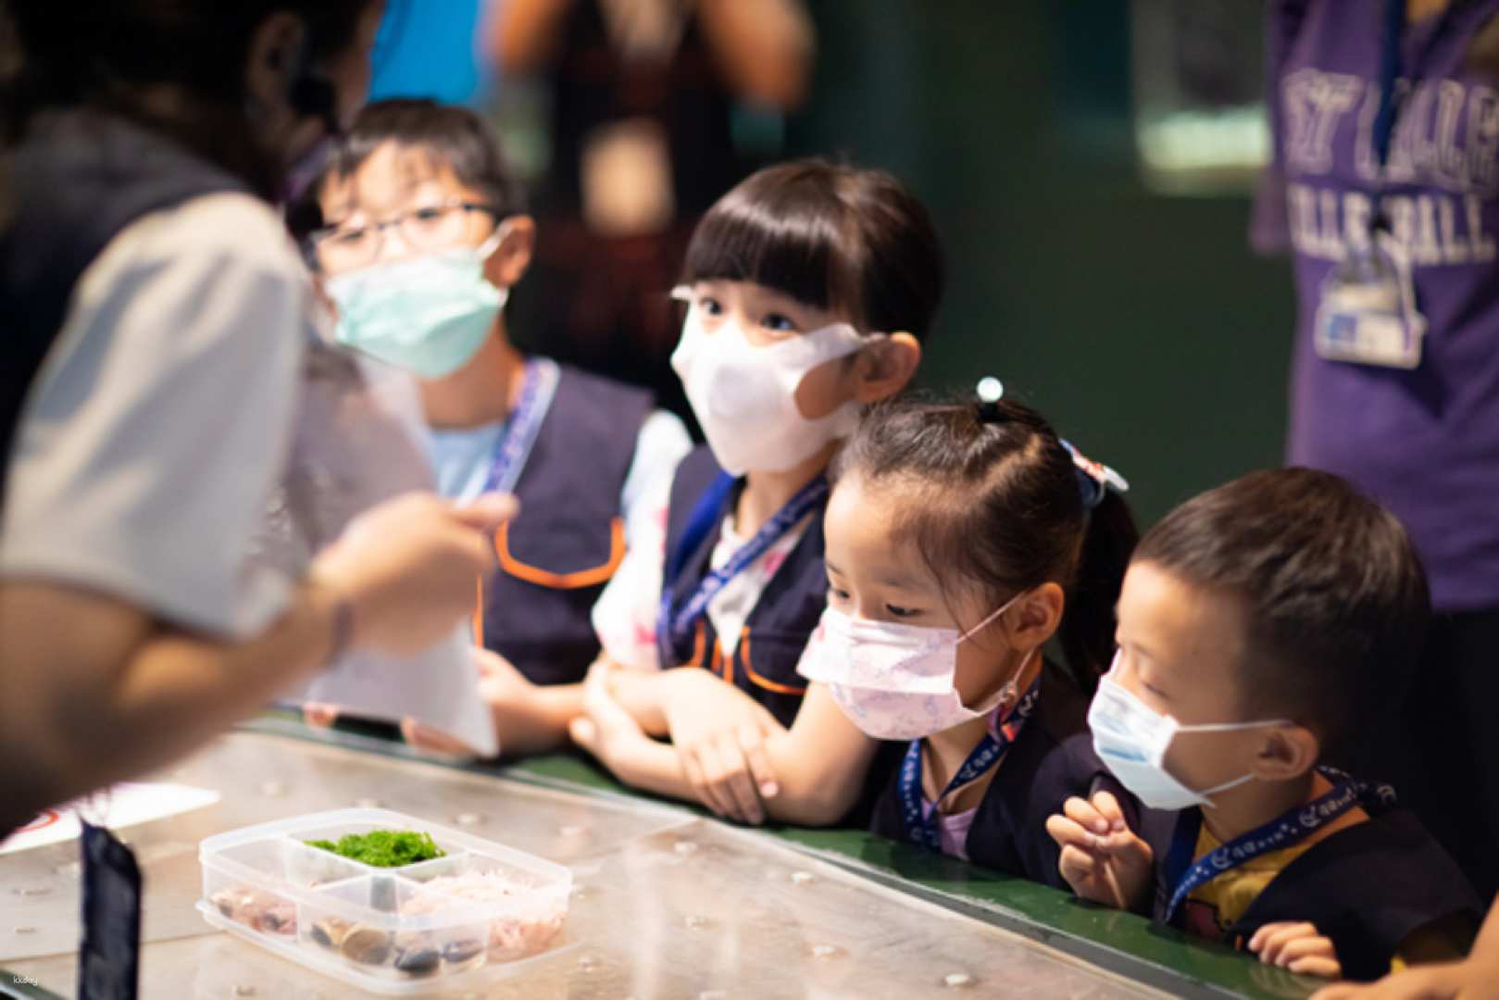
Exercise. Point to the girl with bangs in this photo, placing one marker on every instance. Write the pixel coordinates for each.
(809, 289)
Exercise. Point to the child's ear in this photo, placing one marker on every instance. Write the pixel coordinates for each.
(1037, 616)
(508, 264)
(886, 367)
(1287, 752)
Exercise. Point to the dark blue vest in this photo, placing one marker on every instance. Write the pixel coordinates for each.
(1367, 887)
(764, 662)
(76, 180)
(1051, 760)
(556, 557)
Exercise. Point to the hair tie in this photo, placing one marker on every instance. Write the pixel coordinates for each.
(990, 391)
(1094, 479)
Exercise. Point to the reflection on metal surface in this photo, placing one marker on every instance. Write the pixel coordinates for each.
(668, 905)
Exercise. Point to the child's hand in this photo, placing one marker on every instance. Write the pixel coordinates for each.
(719, 733)
(1297, 947)
(638, 692)
(604, 729)
(1102, 859)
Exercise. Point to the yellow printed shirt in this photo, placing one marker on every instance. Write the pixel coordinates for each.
(1215, 906)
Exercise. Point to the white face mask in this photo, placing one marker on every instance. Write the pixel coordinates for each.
(744, 396)
(894, 681)
(1132, 739)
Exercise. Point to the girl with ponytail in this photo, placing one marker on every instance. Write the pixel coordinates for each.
(961, 537)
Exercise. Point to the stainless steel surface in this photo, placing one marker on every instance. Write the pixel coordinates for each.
(666, 905)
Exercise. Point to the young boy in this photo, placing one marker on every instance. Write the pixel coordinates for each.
(417, 233)
(1259, 624)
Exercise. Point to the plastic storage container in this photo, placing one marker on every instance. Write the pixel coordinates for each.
(476, 913)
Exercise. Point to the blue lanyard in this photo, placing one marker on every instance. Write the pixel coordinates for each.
(921, 827)
(676, 622)
(1390, 65)
(1286, 830)
(514, 447)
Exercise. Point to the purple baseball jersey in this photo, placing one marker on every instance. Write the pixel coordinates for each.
(1426, 442)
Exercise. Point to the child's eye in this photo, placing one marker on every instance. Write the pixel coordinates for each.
(900, 612)
(710, 305)
(778, 322)
(834, 594)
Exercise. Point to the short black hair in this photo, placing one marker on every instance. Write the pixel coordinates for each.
(830, 235)
(450, 135)
(1337, 600)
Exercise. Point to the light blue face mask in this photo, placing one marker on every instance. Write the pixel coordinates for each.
(427, 314)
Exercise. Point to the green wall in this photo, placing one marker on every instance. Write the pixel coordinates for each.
(1141, 324)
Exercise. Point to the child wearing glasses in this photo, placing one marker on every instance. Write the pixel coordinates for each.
(419, 235)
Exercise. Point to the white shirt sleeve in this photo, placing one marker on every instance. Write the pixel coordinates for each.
(160, 421)
(624, 616)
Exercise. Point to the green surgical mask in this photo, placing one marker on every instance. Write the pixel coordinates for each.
(427, 314)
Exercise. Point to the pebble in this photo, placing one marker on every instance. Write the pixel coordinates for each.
(418, 961)
(34, 890)
(244, 991)
(272, 789)
(368, 803)
(330, 932)
(468, 819)
(824, 951)
(697, 923)
(684, 847)
(957, 980)
(802, 878)
(366, 945)
(24, 930)
(573, 831)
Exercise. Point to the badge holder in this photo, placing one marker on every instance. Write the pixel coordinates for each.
(1367, 314)
(110, 943)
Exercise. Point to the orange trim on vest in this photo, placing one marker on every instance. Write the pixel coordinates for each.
(562, 581)
(479, 614)
(765, 682)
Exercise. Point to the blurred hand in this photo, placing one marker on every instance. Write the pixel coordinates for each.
(408, 567)
(1471, 979)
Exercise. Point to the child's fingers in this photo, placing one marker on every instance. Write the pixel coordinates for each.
(1272, 940)
(692, 769)
(752, 743)
(712, 770)
(1305, 947)
(584, 733)
(1108, 807)
(1316, 965)
(1082, 812)
(1068, 833)
(1077, 866)
(736, 781)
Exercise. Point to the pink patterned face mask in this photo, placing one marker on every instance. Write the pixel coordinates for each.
(895, 681)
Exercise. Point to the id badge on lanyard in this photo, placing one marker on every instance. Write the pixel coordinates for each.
(1367, 312)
